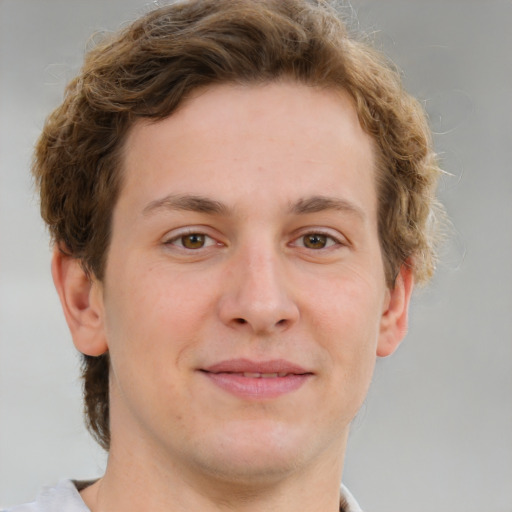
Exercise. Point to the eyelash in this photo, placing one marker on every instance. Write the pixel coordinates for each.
(330, 240)
(177, 240)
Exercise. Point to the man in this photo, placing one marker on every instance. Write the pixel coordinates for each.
(240, 198)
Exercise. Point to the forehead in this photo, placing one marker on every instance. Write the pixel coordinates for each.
(253, 137)
(213, 110)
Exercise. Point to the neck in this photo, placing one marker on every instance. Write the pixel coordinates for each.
(130, 485)
(285, 470)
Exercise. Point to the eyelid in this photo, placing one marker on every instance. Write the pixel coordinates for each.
(175, 235)
(338, 239)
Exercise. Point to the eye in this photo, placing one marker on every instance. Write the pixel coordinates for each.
(192, 241)
(316, 241)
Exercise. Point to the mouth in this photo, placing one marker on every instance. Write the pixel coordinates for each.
(258, 380)
(256, 375)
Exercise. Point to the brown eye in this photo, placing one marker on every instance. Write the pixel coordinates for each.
(193, 241)
(315, 241)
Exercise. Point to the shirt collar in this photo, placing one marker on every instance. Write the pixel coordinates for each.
(347, 502)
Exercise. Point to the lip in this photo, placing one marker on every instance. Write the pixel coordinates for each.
(258, 380)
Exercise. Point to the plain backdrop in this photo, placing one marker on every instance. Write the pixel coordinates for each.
(436, 430)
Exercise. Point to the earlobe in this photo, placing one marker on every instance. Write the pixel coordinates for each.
(81, 299)
(394, 319)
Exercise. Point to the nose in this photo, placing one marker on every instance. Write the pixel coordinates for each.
(258, 297)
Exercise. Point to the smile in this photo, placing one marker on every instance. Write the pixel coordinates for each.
(257, 380)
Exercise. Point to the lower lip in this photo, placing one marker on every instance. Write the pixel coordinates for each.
(257, 388)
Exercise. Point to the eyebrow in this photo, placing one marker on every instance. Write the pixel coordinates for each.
(201, 204)
(317, 204)
(190, 203)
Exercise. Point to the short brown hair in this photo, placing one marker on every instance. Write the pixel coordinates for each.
(148, 69)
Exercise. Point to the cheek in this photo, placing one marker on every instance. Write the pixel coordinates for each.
(345, 326)
(348, 319)
(151, 338)
(165, 318)
(350, 310)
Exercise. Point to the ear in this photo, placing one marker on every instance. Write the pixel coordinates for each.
(394, 321)
(82, 302)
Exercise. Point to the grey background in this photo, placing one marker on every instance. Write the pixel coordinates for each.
(436, 430)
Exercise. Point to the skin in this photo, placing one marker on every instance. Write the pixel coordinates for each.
(246, 228)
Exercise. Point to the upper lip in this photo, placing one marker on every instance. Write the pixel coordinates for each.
(248, 366)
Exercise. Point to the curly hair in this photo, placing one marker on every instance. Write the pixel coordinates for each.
(150, 68)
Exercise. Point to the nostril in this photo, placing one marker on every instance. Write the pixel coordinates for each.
(281, 322)
(240, 321)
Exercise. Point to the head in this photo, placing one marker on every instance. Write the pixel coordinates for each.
(151, 69)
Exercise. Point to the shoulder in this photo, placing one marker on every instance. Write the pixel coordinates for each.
(64, 497)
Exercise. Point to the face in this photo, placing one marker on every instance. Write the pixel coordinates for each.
(244, 298)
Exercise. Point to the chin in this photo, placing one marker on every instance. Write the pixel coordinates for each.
(256, 455)
(250, 470)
